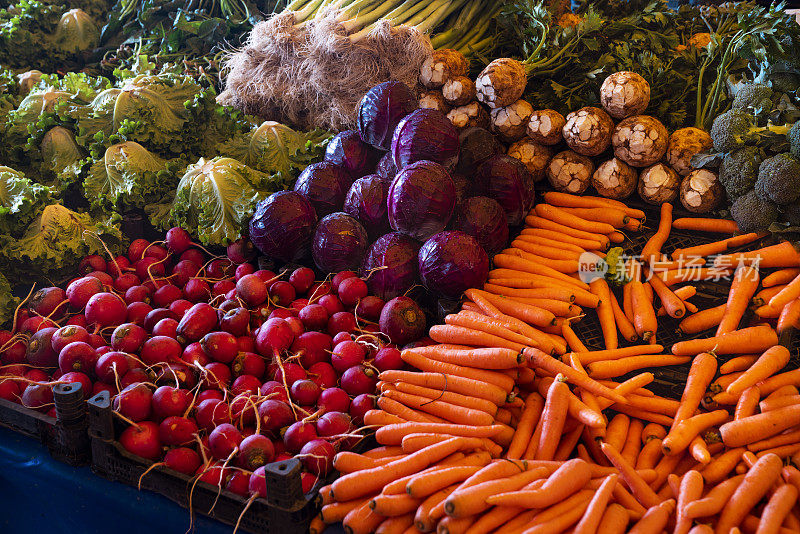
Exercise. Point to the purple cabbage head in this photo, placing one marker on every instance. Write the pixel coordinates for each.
(325, 185)
(425, 134)
(463, 187)
(390, 266)
(366, 201)
(282, 226)
(476, 145)
(386, 168)
(421, 200)
(452, 262)
(339, 243)
(508, 181)
(348, 150)
(381, 109)
(485, 220)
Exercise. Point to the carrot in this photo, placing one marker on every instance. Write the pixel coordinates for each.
(548, 242)
(560, 216)
(789, 316)
(546, 224)
(530, 417)
(684, 293)
(545, 251)
(486, 358)
(686, 430)
(777, 509)
(780, 277)
(587, 357)
(787, 438)
(694, 274)
(754, 486)
(444, 333)
(336, 511)
(644, 317)
(494, 518)
(422, 518)
(457, 459)
(561, 516)
(674, 306)
(716, 247)
(744, 341)
(773, 403)
(614, 521)
(700, 224)
(586, 244)
(473, 499)
(418, 358)
(739, 363)
(396, 525)
(445, 381)
(381, 418)
(383, 452)
(448, 396)
(617, 431)
(350, 462)
(565, 265)
(770, 362)
(605, 312)
(781, 255)
(643, 493)
(445, 410)
(653, 246)
(502, 307)
(523, 265)
(567, 200)
(747, 403)
(424, 484)
(761, 426)
(568, 442)
(624, 324)
(633, 441)
(655, 519)
(592, 517)
(540, 360)
(690, 490)
(394, 505)
(701, 373)
(559, 308)
(615, 217)
(572, 339)
(361, 520)
(715, 500)
(649, 454)
(572, 476)
(743, 287)
(614, 368)
(553, 416)
(789, 293)
(702, 320)
(394, 434)
(645, 415)
(554, 293)
(393, 407)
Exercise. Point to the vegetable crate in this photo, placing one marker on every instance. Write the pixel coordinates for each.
(286, 509)
(64, 435)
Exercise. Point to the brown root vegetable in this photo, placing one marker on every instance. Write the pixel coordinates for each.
(458, 91)
(570, 172)
(701, 191)
(501, 83)
(509, 123)
(588, 131)
(533, 155)
(615, 179)
(545, 126)
(640, 141)
(658, 183)
(473, 114)
(683, 144)
(434, 100)
(624, 94)
(443, 65)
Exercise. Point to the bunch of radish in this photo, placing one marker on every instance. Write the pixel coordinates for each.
(217, 368)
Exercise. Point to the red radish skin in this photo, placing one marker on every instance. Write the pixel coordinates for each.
(245, 384)
(223, 440)
(296, 325)
(178, 240)
(239, 483)
(49, 302)
(274, 390)
(333, 423)
(298, 304)
(235, 322)
(160, 349)
(66, 335)
(96, 341)
(248, 363)
(346, 355)
(104, 277)
(77, 356)
(282, 293)
(156, 251)
(240, 250)
(317, 456)
(342, 336)
(10, 390)
(198, 321)
(351, 290)
(99, 387)
(297, 435)
(359, 406)
(111, 366)
(312, 347)
(194, 355)
(195, 255)
(220, 346)
(342, 322)
(302, 279)
(128, 337)
(152, 318)
(358, 380)
(291, 372)
(136, 249)
(127, 281)
(318, 290)
(274, 337)
(307, 482)
(166, 295)
(149, 267)
(179, 308)
(331, 303)
(137, 294)
(211, 413)
(40, 352)
(196, 290)
(176, 374)
(177, 431)
(166, 327)
(246, 344)
(258, 483)
(223, 287)
(340, 277)
(221, 268)
(37, 375)
(134, 402)
(183, 272)
(183, 460)
(118, 266)
(91, 263)
(207, 394)
(77, 320)
(274, 415)
(323, 374)
(314, 317)
(217, 376)
(370, 308)
(80, 291)
(142, 440)
(36, 323)
(255, 451)
(402, 320)
(266, 276)
(243, 270)
(214, 474)
(282, 313)
(170, 401)
(388, 358)
(37, 397)
(134, 376)
(105, 309)
(305, 392)
(334, 400)
(80, 378)
(137, 312)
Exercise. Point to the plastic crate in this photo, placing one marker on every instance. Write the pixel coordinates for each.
(286, 510)
(65, 435)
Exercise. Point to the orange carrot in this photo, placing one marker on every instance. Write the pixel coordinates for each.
(643, 493)
(568, 479)
(486, 358)
(593, 516)
(770, 362)
(686, 430)
(540, 360)
(350, 462)
(336, 511)
(673, 304)
(418, 358)
(773, 403)
(655, 519)
(615, 217)
(754, 486)
(555, 293)
(530, 417)
(523, 265)
(460, 335)
(383, 452)
(394, 505)
(393, 407)
(617, 431)
(587, 357)
(381, 418)
(789, 293)
(422, 518)
(445, 410)
(744, 341)
(560, 216)
(786, 438)
(781, 255)
(743, 287)
(691, 489)
(614, 368)
(780, 277)
(566, 266)
(553, 416)
(649, 454)
(789, 316)
(535, 221)
(546, 251)
(701, 373)
(394, 434)
(644, 316)
(567, 200)
(652, 248)
(361, 520)
(700, 224)
(470, 500)
(739, 363)
(716, 247)
(546, 241)
(747, 403)
(575, 344)
(605, 312)
(561, 516)
(586, 244)
(633, 441)
(624, 324)
(567, 443)
(445, 381)
(448, 396)
(758, 427)
(777, 509)
(702, 320)
(615, 520)
(427, 483)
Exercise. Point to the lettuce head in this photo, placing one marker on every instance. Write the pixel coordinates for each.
(20, 200)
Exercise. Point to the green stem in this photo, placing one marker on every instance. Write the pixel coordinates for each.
(698, 114)
(426, 6)
(295, 5)
(441, 14)
(465, 24)
(472, 49)
(308, 11)
(354, 9)
(372, 16)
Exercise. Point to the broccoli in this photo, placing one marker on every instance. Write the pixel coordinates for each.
(735, 128)
(794, 139)
(791, 214)
(752, 213)
(779, 179)
(753, 95)
(739, 170)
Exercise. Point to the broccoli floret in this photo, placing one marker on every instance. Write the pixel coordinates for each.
(779, 179)
(791, 214)
(794, 139)
(734, 128)
(753, 95)
(753, 213)
(739, 170)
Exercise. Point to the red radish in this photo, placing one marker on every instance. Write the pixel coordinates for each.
(156, 251)
(297, 435)
(370, 308)
(178, 240)
(137, 312)
(37, 375)
(126, 281)
(258, 483)
(149, 268)
(177, 431)
(80, 291)
(307, 482)
(228, 305)
(77, 320)
(388, 358)
(160, 349)
(282, 313)
(142, 440)
(298, 304)
(302, 279)
(217, 376)
(82, 379)
(317, 456)
(66, 335)
(116, 267)
(246, 344)
(10, 390)
(223, 440)
(318, 290)
(152, 318)
(105, 309)
(128, 337)
(342, 336)
(224, 287)
(283, 456)
(359, 406)
(136, 249)
(91, 263)
(333, 423)
(305, 392)
(193, 354)
(351, 290)
(170, 401)
(99, 387)
(292, 372)
(358, 380)
(166, 327)
(195, 255)
(282, 293)
(340, 277)
(137, 294)
(266, 276)
(40, 352)
(134, 402)
(212, 412)
(134, 376)
(243, 270)
(214, 474)
(104, 277)
(166, 295)
(323, 374)
(49, 302)
(240, 250)
(221, 268)
(274, 390)
(245, 384)
(342, 322)
(274, 337)
(402, 320)
(255, 451)
(198, 321)
(248, 363)
(236, 322)
(183, 272)
(182, 460)
(105, 349)
(274, 415)
(176, 373)
(334, 400)
(312, 347)
(96, 341)
(36, 323)
(296, 325)
(314, 317)
(179, 308)
(220, 346)
(111, 366)
(239, 483)
(206, 394)
(346, 355)
(244, 410)
(197, 290)
(77, 356)
(331, 303)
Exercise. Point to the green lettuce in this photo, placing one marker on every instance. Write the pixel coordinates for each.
(20, 200)
(8, 302)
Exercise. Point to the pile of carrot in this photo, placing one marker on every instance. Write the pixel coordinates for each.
(511, 424)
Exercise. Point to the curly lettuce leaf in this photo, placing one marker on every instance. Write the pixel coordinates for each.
(217, 197)
(275, 148)
(20, 199)
(8, 302)
(54, 243)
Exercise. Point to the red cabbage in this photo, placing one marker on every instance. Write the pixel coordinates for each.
(325, 185)
(386, 168)
(390, 266)
(463, 186)
(485, 220)
(510, 183)
(476, 145)
(339, 243)
(348, 150)
(425, 134)
(282, 226)
(366, 201)
(452, 262)
(421, 200)
(381, 109)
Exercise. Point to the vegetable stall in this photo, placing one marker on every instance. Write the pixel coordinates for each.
(453, 266)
